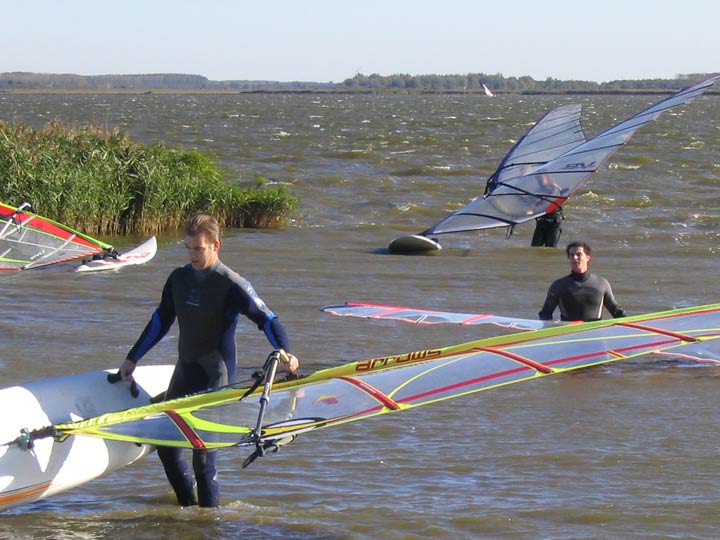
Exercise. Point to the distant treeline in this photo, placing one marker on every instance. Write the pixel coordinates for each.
(167, 81)
(470, 83)
(473, 82)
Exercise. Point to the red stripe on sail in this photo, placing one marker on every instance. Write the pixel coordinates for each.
(373, 392)
(186, 430)
(681, 337)
(542, 368)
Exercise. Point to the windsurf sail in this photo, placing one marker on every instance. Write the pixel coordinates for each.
(554, 134)
(28, 240)
(429, 316)
(548, 164)
(487, 91)
(397, 382)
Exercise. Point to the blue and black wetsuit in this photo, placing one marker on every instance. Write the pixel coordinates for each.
(207, 305)
(580, 297)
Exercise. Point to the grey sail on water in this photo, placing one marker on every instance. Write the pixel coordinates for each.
(548, 164)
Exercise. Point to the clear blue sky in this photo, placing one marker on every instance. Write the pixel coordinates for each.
(331, 40)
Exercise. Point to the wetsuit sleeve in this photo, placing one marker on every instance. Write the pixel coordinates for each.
(276, 334)
(160, 322)
(611, 304)
(251, 305)
(551, 302)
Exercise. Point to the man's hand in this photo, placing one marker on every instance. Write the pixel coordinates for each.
(290, 362)
(126, 370)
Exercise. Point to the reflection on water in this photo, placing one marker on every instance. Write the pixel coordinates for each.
(624, 451)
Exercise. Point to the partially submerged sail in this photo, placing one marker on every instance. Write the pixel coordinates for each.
(140, 254)
(548, 164)
(557, 132)
(376, 386)
(28, 240)
(429, 316)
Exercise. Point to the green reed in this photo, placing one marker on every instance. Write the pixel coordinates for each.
(101, 182)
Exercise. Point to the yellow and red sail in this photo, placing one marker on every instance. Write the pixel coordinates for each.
(381, 385)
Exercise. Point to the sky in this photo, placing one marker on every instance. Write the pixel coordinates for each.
(332, 40)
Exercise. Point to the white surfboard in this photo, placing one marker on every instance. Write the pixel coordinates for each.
(50, 467)
(413, 243)
(140, 254)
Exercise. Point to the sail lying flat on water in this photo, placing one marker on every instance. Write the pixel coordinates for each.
(548, 164)
(28, 240)
(429, 316)
(386, 384)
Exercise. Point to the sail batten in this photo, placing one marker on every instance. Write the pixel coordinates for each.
(542, 368)
(676, 335)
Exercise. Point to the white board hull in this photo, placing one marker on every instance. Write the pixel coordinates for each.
(51, 467)
(413, 243)
(140, 254)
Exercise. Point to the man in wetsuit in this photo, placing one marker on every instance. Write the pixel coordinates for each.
(207, 299)
(580, 295)
(548, 227)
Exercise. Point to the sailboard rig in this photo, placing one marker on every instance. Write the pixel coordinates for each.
(487, 91)
(28, 240)
(542, 170)
(429, 316)
(368, 388)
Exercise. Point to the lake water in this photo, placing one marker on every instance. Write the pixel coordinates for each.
(624, 451)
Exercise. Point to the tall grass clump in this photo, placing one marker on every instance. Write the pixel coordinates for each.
(101, 182)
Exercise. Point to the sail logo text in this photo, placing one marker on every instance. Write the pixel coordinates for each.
(580, 165)
(388, 361)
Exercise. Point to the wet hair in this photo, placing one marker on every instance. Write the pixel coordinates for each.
(206, 224)
(572, 245)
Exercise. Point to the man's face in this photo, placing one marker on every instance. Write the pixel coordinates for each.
(201, 251)
(579, 260)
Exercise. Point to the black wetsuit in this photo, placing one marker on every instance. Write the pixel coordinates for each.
(547, 230)
(581, 297)
(207, 305)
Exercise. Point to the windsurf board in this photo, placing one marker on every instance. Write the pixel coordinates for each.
(413, 243)
(49, 466)
(140, 254)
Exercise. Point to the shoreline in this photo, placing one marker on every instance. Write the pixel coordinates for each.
(228, 91)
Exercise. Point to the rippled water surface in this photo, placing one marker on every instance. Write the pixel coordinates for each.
(623, 451)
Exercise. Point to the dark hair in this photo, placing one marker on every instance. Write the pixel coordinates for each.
(572, 245)
(203, 224)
